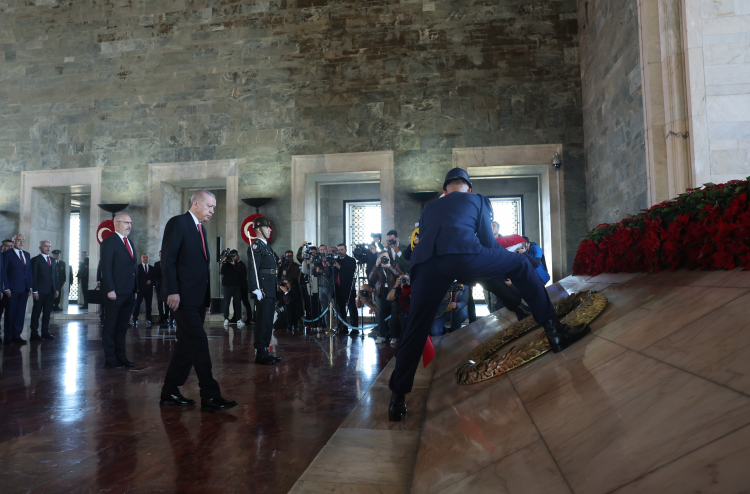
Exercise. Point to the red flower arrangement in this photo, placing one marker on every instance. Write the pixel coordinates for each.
(706, 228)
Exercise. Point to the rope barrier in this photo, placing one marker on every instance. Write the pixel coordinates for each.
(353, 327)
(317, 318)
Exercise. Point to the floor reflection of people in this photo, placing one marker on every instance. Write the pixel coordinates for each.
(194, 458)
(116, 439)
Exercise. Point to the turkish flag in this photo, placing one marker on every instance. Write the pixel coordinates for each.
(429, 352)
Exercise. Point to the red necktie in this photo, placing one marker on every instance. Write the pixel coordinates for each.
(127, 244)
(203, 241)
(23, 259)
(49, 263)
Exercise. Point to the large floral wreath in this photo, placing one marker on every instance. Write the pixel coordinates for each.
(707, 228)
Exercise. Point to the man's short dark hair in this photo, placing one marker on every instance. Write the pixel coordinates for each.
(379, 235)
(7, 240)
(322, 245)
(340, 245)
(312, 247)
(392, 232)
(457, 180)
(289, 252)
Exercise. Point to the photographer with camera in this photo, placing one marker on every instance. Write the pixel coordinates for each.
(343, 281)
(367, 255)
(365, 298)
(293, 309)
(398, 297)
(452, 308)
(307, 255)
(231, 285)
(377, 240)
(395, 251)
(383, 277)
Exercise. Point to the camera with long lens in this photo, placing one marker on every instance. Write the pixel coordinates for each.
(364, 293)
(456, 286)
(405, 280)
(360, 252)
(392, 241)
(226, 255)
(281, 281)
(385, 260)
(308, 254)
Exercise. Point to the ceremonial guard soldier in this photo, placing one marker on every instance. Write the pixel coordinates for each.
(261, 279)
(61, 278)
(83, 280)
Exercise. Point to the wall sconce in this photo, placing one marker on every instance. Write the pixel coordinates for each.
(556, 161)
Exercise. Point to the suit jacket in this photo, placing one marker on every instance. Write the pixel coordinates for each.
(44, 275)
(83, 270)
(184, 267)
(157, 277)
(16, 277)
(118, 268)
(458, 223)
(143, 278)
(345, 274)
(61, 273)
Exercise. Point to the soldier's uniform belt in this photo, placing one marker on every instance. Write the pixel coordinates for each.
(266, 271)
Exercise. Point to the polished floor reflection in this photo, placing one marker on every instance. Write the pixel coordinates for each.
(69, 425)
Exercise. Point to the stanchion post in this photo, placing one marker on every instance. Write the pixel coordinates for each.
(330, 318)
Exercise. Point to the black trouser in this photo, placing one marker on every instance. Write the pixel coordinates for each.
(471, 306)
(314, 311)
(264, 322)
(432, 279)
(116, 321)
(42, 307)
(4, 308)
(82, 295)
(191, 350)
(384, 310)
(165, 313)
(342, 303)
(508, 295)
(58, 299)
(233, 293)
(246, 303)
(148, 296)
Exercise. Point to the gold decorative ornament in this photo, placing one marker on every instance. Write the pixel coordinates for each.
(480, 364)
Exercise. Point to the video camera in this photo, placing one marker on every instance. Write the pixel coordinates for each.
(227, 255)
(360, 252)
(307, 254)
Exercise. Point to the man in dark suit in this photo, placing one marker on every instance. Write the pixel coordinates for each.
(83, 280)
(185, 270)
(119, 283)
(61, 278)
(343, 276)
(145, 290)
(166, 318)
(18, 284)
(456, 243)
(4, 301)
(46, 290)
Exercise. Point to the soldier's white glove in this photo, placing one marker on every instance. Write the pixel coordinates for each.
(258, 294)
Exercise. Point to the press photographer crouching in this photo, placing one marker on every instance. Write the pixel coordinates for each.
(232, 273)
(399, 297)
(365, 298)
(289, 318)
(453, 308)
(383, 277)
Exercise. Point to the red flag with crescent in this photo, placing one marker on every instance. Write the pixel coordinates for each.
(106, 228)
(248, 233)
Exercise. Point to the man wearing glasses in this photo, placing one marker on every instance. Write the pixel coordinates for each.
(119, 283)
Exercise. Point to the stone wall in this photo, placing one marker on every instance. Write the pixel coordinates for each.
(719, 67)
(616, 164)
(126, 83)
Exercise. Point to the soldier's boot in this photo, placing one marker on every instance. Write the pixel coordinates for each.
(561, 336)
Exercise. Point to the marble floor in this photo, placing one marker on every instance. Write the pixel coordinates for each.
(656, 400)
(68, 425)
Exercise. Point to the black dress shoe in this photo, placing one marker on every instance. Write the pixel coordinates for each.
(176, 400)
(163, 326)
(397, 408)
(561, 336)
(8, 341)
(19, 340)
(114, 366)
(265, 358)
(216, 404)
(35, 337)
(522, 312)
(47, 336)
(126, 363)
(135, 323)
(148, 324)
